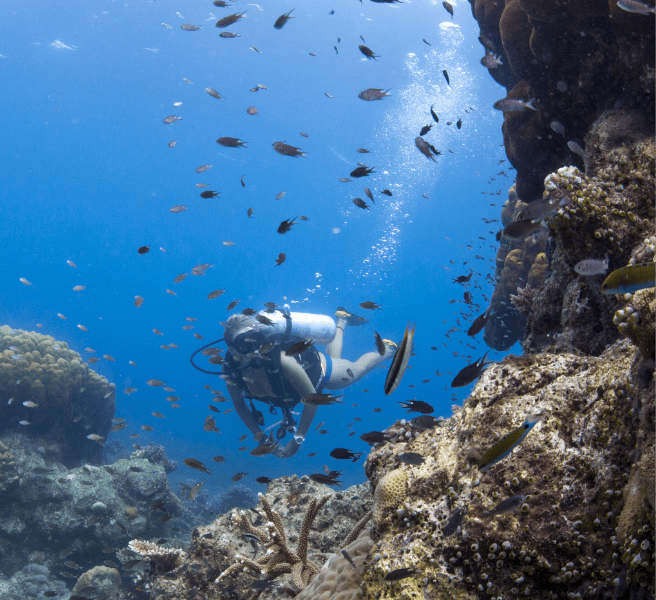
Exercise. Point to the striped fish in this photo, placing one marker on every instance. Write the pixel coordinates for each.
(400, 362)
(629, 279)
(507, 443)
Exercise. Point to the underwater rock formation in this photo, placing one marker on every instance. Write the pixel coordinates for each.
(60, 514)
(70, 401)
(215, 548)
(586, 522)
(577, 59)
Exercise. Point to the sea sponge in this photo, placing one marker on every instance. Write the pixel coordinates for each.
(338, 580)
(390, 492)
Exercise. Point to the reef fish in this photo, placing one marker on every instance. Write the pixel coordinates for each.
(282, 19)
(507, 443)
(398, 574)
(479, 323)
(374, 437)
(629, 279)
(454, 522)
(189, 27)
(229, 20)
(321, 399)
(196, 464)
(212, 92)
(514, 105)
(344, 454)
(373, 94)
(592, 266)
(411, 458)
(287, 150)
(368, 52)
(518, 230)
(635, 6)
(417, 406)
(400, 362)
(505, 505)
(424, 148)
(448, 8)
(470, 372)
(230, 142)
(491, 61)
(361, 172)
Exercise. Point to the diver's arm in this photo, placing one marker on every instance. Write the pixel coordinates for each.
(292, 446)
(242, 410)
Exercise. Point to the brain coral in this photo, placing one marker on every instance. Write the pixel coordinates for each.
(338, 580)
(390, 492)
(71, 400)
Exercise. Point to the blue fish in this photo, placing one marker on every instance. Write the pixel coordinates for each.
(507, 443)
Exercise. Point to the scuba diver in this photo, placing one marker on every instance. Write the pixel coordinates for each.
(256, 367)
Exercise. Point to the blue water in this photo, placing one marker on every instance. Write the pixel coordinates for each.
(87, 176)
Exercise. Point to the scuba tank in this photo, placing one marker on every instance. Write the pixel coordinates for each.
(319, 328)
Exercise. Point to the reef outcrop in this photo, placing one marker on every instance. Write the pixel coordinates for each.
(53, 396)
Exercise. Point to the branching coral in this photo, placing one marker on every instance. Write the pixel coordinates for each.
(166, 559)
(279, 558)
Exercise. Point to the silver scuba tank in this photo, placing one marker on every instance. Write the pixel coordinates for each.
(320, 328)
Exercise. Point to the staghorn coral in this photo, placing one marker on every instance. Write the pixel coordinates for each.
(279, 559)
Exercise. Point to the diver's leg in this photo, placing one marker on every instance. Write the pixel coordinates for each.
(340, 377)
(296, 375)
(334, 348)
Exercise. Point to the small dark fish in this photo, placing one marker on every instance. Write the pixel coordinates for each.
(189, 27)
(67, 575)
(400, 361)
(196, 464)
(487, 44)
(345, 179)
(73, 565)
(426, 41)
(380, 345)
(171, 119)
(363, 151)
(264, 480)
(242, 181)
(479, 323)
(321, 399)
(411, 458)
(336, 50)
(470, 372)
(424, 148)
(459, 123)
(218, 459)
(514, 105)
(369, 195)
(368, 52)
(425, 422)
(425, 129)
(239, 476)
(50, 594)
(157, 505)
(282, 19)
(209, 194)
(299, 347)
(285, 226)
(417, 406)
(249, 213)
(143, 250)
(398, 574)
(373, 94)
(434, 115)
(212, 92)
(361, 172)
(454, 522)
(264, 320)
(446, 76)
(344, 454)
(371, 305)
(463, 278)
(448, 8)
(287, 150)
(386, 192)
(491, 61)
(248, 312)
(281, 259)
(518, 230)
(325, 479)
(374, 437)
(468, 298)
(229, 20)
(230, 142)
(360, 203)
(505, 505)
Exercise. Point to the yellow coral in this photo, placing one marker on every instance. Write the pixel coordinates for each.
(538, 271)
(390, 492)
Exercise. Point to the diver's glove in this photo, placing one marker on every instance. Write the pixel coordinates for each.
(289, 449)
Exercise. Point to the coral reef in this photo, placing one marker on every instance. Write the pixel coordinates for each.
(99, 581)
(217, 547)
(156, 454)
(577, 59)
(70, 400)
(586, 470)
(339, 579)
